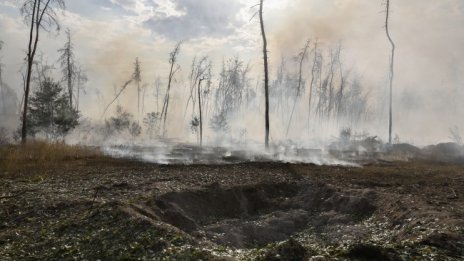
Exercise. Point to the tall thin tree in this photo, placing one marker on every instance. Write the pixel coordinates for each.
(2, 91)
(302, 57)
(174, 67)
(81, 78)
(392, 71)
(266, 73)
(137, 76)
(314, 70)
(68, 66)
(39, 15)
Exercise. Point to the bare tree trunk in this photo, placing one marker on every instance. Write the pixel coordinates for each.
(117, 95)
(333, 59)
(78, 90)
(143, 100)
(70, 71)
(172, 72)
(137, 76)
(2, 91)
(164, 111)
(266, 74)
(300, 79)
(313, 75)
(392, 72)
(200, 112)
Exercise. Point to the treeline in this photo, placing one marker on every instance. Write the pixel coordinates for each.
(315, 77)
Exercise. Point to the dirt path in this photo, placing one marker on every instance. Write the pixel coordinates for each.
(117, 209)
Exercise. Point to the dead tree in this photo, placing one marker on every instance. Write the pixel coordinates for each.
(392, 72)
(276, 92)
(118, 94)
(302, 56)
(68, 65)
(81, 78)
(2, 91)
(341, 90)
(334, 56)
(38, 14)
(200, 112)
(137, 76)
(266, 74)
(230, 92)
(314, 69)
(174, 67)
(157, 91)
(201, 71)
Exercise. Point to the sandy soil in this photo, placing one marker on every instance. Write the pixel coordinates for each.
(119, 209)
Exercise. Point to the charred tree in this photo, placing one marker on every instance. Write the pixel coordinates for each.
(392, 72)
(200, 72)
(341, 90)
(2, 91)
(266, 74)
(174, 67)
(200, 112)
(81, 78)
(137, 76)
(314, 69)
(302, 57)
(38, 14)
(118, 94)
(230, 93)
(201, 68)
(68, 65)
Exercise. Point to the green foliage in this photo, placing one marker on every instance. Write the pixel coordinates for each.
(50, 111)
(152, 122)
(122, 121)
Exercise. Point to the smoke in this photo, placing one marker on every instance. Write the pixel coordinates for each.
(429, 61)
(427, 87)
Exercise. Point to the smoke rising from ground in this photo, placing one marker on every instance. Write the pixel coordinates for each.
(427, 89)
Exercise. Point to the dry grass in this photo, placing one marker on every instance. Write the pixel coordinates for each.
(42, 156)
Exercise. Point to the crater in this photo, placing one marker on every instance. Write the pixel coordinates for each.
(256, 215)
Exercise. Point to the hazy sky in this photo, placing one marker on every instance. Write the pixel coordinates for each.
(109, 34)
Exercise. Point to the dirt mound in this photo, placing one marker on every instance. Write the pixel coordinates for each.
(251, 216)
(403, 151)
(445, 152)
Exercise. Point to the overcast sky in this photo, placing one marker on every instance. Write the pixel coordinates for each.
(109, 34)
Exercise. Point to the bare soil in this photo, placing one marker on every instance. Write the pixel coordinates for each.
(112, 209)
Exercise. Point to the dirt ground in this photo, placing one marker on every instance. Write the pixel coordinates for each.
(113, 209)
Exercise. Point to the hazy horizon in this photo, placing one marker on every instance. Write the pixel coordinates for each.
(109, 34)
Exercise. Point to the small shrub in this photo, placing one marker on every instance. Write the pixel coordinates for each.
(455, 135)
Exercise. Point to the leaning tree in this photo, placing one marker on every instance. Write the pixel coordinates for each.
(174, 67)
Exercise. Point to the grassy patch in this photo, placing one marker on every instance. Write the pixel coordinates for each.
(42, 156)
